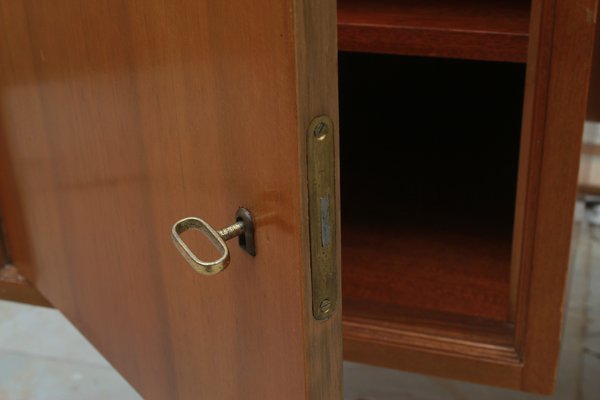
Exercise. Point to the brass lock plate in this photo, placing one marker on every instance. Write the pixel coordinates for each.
(322, 216)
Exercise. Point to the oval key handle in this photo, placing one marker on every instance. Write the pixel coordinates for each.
(243, 228)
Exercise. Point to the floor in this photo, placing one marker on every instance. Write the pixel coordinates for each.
(42, 357)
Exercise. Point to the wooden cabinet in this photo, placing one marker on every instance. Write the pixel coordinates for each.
(458, 181)
(457, 130)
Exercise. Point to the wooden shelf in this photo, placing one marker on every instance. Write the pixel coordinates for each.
(493, 30)
(453, 269)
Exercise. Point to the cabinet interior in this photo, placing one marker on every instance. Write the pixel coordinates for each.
(429, 150)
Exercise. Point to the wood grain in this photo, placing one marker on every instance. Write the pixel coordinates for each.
(385, 328)
(453, 363)
(317, 93)
(436, 326)
(494, 30)
(560, 60)
(118, 119)
(456, 271)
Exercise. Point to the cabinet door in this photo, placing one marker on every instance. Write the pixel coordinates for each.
(119, 118)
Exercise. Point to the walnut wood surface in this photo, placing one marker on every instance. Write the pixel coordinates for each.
(119, 118)
(482, 30)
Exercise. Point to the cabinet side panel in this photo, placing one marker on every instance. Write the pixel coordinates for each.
(316, 34)
(562, 41)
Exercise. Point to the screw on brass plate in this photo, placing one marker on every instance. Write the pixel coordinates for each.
(321, 128)
(325, 305)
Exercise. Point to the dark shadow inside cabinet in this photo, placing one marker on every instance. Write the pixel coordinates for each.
(429, 151)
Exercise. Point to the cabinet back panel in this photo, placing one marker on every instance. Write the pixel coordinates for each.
(429, 160)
